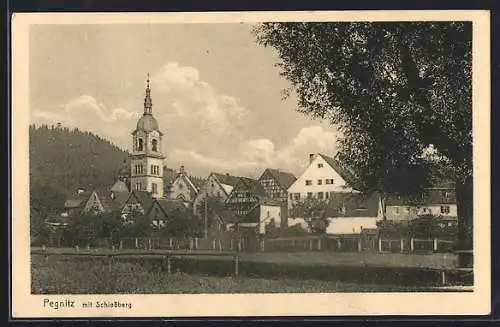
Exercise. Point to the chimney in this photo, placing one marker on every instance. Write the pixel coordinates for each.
(311, 157)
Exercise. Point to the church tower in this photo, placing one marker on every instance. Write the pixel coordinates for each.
(147, 157)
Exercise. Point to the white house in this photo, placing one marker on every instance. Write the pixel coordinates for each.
(320, 180)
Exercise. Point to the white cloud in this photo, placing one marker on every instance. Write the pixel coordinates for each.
(253, 156)
(195, 101)
(87, 114)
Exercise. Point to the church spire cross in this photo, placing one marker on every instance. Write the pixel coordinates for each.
(148, 104)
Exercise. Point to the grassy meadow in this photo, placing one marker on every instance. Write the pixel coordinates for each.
(94, 276)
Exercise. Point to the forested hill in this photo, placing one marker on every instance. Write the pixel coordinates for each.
(62, 160)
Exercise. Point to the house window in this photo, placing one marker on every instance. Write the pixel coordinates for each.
(320, 181)
(329, 181)
(297, 196)
(140, 145)
(445, 209)
(309, 195)
(320, 195)
(154, 187)
(327, 195)
(309, 182)
(291, 196)
(154, 145)
(320, 165)
(138, 186)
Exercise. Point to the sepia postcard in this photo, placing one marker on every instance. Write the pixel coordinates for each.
(250, 164)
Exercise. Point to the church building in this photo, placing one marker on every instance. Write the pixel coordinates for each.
(147, 157)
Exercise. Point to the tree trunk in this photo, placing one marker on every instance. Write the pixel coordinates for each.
(465, 213)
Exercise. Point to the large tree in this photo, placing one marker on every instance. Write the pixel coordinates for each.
(392, 89)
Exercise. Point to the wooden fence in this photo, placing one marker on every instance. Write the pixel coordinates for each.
(337, 243)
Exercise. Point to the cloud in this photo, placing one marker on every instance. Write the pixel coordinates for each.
(254, 155)
(196, 101)
(86, 113)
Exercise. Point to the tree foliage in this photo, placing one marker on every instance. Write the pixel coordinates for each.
(392, 89)
(62, 160)
(311, 209)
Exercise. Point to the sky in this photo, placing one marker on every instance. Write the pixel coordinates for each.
(217, 94)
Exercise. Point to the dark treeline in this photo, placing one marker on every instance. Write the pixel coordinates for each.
(62, 160)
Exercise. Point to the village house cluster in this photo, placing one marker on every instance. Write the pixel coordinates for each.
(149, 187)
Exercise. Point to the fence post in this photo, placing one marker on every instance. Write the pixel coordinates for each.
(214, 244)
(169, 266)
(360, 246)
(239, 245)
(435, 244)
(77, 248)
(443, 278)
(402, 245)
(170, 243)
(236, 265)
(262, 245)
(136, 242)
(380, 245)
(339, 244)
(412, 244)
(149, 244)
(196, 243)
(231, 244)
(310, 245)
(220, 245)
(121, 245)
(190, 243)
(319, 244)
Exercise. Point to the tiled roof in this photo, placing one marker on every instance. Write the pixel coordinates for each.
(284, 179)
(144, 198)
(168, 206)
(253, 186)
(342, 171)
(354, 204)
(226, 179)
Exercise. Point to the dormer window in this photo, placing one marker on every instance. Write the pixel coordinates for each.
(320, 165)
(154, 145)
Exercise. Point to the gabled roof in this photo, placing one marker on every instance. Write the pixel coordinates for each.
(226, 179)
(76, 200)
(353, 204)
(169, 206)
(227, 217)
(284, 179)
(253, 186)
(342, 171)
(114, 204)
(119, 186)
(144, 198)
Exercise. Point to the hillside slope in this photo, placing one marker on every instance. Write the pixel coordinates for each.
(62, 160)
